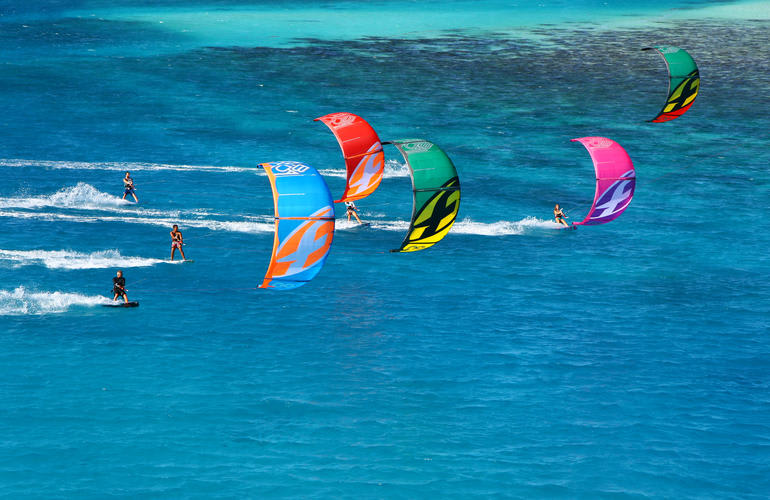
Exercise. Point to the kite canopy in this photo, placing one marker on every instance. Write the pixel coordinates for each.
(363, 154)
(436, 189)
(683, 84)
(304, 224)
(615, 180)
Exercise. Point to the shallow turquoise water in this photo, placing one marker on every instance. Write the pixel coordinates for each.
(509, 360)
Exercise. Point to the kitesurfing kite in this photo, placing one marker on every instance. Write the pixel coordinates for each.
(436, 190)
(304, 224)
(683, 84)
(615, 180)
(363, 154)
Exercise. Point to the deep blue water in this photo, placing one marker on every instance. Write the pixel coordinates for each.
(510, 360)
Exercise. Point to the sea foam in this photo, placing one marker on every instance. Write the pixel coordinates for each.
(501, 228)
(81, 196)
(67, 259)
(464, 226)
(122, 166)
(21, 301)
(215, 225)
(393, 168)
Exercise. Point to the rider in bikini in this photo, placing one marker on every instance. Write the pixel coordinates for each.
(352, 210)
(176, 242)
(559, 215)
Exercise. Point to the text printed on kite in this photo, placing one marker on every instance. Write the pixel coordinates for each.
(361, 147)
(304, 224)
(436, 190)
(615, 180)
(683, 84)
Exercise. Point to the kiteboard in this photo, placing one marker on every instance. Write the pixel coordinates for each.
(122, 304)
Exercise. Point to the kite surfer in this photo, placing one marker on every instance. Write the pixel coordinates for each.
(119, 287)
(128, 184)
(559, 215)
(176, 242)
(352, 209)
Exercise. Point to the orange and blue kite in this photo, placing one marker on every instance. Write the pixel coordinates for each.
(304, 224)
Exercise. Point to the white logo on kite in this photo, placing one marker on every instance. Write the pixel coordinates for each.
(600, 143)
(417, 147)
(289, 168)
(338, 120)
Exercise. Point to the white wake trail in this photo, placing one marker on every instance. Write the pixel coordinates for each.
(265, 224)
(67, 259)
(122, 166)
(81, 196)
(393, 168)
(464, 226)
(85, 197)
(215, 225)
(501, 228)
(20, 301)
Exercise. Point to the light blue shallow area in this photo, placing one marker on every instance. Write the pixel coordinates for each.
(510, 360)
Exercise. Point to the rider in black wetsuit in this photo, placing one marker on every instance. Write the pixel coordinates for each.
(119, 287)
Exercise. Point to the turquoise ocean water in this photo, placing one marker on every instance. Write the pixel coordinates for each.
(510, 360)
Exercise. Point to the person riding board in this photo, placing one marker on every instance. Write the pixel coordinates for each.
(128, 184)
(119, 287)
(352, 209)
(559, 215)
(176, 242)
